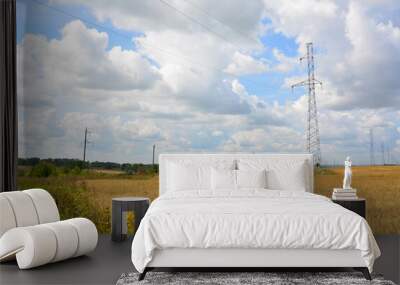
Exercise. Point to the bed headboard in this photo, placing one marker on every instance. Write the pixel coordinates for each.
(165, 158)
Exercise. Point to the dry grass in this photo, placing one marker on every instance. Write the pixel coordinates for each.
(380, 185)
(102, 190)
(90, 195)
(107, 171)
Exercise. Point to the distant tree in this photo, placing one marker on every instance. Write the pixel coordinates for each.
(105, 165)
(65, 166)
(43, 169)
(127, 167)
(28, 161)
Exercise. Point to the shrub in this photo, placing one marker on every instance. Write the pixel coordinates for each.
(72, 199)
(43, 169)
(76, 170)
(22, 171)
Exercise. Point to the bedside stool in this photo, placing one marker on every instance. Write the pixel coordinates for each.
(358, 205)
(120, 207)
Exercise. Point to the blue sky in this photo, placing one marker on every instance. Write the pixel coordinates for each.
(134, 72)
(46, 18)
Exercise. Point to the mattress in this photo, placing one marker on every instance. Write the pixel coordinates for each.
(250, 219)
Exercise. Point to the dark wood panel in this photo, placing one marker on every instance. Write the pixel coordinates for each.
(357, 206)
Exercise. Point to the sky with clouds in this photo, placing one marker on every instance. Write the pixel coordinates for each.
(206, 76)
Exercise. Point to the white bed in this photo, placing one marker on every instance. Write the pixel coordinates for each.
(248, 227)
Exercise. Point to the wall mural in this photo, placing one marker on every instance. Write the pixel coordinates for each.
(200, 76)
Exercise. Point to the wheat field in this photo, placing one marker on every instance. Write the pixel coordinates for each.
(102, 190)
(90, 195)
(380, 185)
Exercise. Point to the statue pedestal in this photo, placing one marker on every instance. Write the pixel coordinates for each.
(344, 194)
(344, 189)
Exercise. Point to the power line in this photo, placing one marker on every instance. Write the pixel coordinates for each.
(219, 21)
(61, 11)
(198, 22)
(181, 57)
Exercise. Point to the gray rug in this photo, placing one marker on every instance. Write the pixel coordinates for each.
(228, 278)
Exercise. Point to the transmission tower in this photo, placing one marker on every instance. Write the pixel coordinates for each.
(371, 147)
(388, 155)
(313, 144)
(85, 143)
(154, 150)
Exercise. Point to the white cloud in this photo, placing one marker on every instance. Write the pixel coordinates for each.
(243, 64)
(217, 133)
(357, 53)
(158, 17)
(285, 63)
(271, 139)
(178, 87)
(81, 53)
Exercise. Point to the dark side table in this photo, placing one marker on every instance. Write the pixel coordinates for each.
(356, 205)
(120, 207)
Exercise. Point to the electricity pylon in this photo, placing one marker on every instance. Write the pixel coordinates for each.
(313, 144)
(371, 147)
(85, 143)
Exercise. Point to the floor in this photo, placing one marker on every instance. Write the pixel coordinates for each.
(103, 266)
(110, 260)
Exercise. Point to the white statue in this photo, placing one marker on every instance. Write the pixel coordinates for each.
(347, 174)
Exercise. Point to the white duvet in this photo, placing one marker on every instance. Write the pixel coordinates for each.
(250, 219)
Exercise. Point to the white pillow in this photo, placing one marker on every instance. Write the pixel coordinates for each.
(188, 177)
(288, 178)
(251, 178)
(281, 174)
(223, 179)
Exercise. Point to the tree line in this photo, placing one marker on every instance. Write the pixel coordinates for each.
(52, 166)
